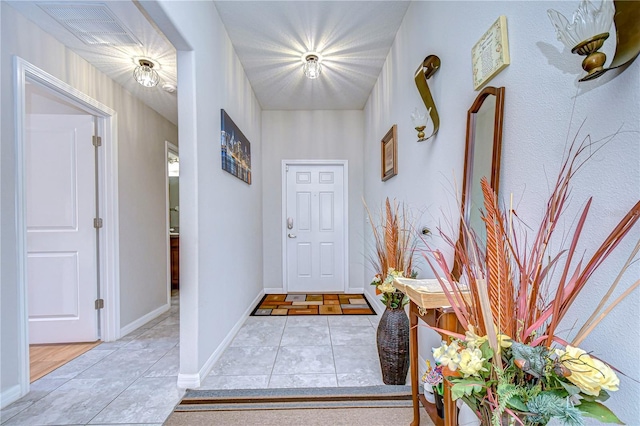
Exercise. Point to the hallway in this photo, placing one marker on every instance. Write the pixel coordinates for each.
(133, 380)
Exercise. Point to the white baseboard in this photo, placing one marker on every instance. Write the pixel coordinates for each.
(144, 319)
(194, 380)
(9, 396)
(355, 290)
(188, 381)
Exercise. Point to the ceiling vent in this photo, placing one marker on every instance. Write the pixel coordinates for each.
(93, 23)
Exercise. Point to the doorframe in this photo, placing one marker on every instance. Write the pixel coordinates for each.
(283, 215)
(168, 147)
(108, 262)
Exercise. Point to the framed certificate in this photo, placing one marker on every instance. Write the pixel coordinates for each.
(490, 54)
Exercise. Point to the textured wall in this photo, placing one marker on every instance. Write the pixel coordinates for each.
(545, 106)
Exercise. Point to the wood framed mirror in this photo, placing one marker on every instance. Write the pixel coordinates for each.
(482, 158)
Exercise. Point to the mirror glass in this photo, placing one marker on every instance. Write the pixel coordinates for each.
(482, 158)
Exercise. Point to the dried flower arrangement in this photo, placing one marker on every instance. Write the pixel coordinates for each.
(395, 246)
(511, 366)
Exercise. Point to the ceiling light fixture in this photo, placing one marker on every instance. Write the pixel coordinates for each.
(312, 67)
(145, 74)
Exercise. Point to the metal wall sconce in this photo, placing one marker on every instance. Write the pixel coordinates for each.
(420, 121)
(427, 68)
(590, 28)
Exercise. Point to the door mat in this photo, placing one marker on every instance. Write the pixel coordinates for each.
(313, 304)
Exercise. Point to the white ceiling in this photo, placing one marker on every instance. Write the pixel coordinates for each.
(270, 38)
(118, 62)
(353, 37)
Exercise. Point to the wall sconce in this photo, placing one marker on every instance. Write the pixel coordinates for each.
(312, 67)
(420, 121)
(145, 74)
(427, 68)
(590, 28)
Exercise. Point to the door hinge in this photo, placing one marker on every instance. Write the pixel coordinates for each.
(99, 303)
(97, 141)
(97, 223)
(286, 168)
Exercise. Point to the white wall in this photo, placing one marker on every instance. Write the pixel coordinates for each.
(310, 135)
(544, 103)
(141, 136)
(220, 222)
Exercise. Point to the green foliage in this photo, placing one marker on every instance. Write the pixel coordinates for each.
(465, 387)
(548, 405)
(535, 358)
(571, 389)
(598, 411)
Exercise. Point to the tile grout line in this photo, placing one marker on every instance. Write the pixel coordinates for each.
(275, 359)
(333, 353)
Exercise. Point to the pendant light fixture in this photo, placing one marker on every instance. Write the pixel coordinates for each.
(145, 74)
(312, 67)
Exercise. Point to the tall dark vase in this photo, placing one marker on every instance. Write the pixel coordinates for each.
(393, 346)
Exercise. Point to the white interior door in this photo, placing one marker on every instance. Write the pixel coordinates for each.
(61, 238)
(315, 228)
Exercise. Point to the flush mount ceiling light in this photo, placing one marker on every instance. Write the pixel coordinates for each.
(312, 67)
(145, 74)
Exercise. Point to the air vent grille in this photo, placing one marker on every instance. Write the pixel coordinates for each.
(94, 23)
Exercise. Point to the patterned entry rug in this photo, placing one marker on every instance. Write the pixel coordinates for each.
(313, 304)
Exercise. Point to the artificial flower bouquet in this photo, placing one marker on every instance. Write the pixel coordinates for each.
(391, 296)
(512, 366)
(394, 250)
(433, 377)
(533, 384)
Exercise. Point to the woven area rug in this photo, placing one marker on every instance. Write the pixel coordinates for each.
(371, 406)
(313, 304)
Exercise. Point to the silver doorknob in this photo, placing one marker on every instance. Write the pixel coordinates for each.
(291, 235)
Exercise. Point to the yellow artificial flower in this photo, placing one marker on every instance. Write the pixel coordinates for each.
(471, 362)
(387, 287)
(475, 341)
(448, 355)
(587, 373)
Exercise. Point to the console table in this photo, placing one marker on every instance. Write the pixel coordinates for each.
(443, 318)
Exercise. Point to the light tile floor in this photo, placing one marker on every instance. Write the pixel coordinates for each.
(133, 380)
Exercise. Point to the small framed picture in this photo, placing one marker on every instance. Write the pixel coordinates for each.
(390, 153)
(490, 55)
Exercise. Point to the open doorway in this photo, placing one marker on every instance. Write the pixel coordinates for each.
(173, 215)
(62, 243)
(66, 176)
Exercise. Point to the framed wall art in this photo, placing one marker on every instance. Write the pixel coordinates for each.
(490, 54)
(235, 148)
(389, 154)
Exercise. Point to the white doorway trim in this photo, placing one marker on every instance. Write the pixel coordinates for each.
(108, 263)
(283, 215)
(168, 147)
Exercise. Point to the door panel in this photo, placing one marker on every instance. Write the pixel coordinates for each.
(315, 251)
(61, 239)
